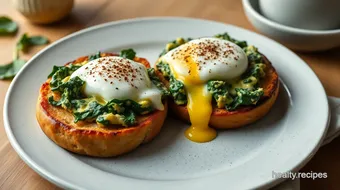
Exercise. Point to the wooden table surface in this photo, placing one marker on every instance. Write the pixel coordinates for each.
(15, 174)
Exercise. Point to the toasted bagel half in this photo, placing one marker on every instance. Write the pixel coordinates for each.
(88, 138)
(224, 119)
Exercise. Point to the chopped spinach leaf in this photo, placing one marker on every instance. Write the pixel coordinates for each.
(245, 98)
(164, 69)
(53, 102)
(247, 80)
(95, 56)
(129, 118)
(176, 87)
(157, 82)
(101, 119)
(94, 109)
(174, 44)
(128, 53)
(255, 70)
(220, 92)
(177, 91)
(58, 74)
(127, 109)
(225, 36)
(70, 90)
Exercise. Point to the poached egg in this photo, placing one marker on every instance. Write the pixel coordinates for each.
(194, 64)
(114, 77)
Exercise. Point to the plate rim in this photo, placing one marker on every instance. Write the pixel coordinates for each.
(64, 184)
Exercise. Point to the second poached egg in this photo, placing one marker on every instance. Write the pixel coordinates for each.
(216, 59)
(115, 77)
(194, 64)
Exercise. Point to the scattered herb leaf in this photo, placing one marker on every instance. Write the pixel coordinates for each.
(7, 26)
(25, 42)
(8, 71)
(38, 40)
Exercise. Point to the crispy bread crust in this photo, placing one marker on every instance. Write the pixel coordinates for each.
(88, 138)
(224, 119)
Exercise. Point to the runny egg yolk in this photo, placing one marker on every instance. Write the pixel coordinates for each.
(199, 104)
(194, 64)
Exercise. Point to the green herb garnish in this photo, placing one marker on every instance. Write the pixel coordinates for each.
(128, 53)
(245, 98)
(176, 87)
(174, 44)
(225, 36)
(157, 82)
(7, 26)
(25, 42)
(95, 56)
(8, 71)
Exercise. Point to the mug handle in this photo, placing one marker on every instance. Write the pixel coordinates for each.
(334, 124)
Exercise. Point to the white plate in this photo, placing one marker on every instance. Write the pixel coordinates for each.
(244, 158)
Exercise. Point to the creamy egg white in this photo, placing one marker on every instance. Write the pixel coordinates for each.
(215, 59)
(115, 77)
(194, 64)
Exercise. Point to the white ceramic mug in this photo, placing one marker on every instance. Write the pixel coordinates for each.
(43, 11)
(306, 14)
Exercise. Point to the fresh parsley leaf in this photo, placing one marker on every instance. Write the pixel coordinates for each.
(8, 71)
(7, 26)
(128, 53)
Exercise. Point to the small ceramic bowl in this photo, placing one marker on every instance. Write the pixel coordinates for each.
(43, 11)
(294, 38)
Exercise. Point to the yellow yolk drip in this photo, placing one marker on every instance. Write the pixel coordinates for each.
(199, 104)
(199, 108)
